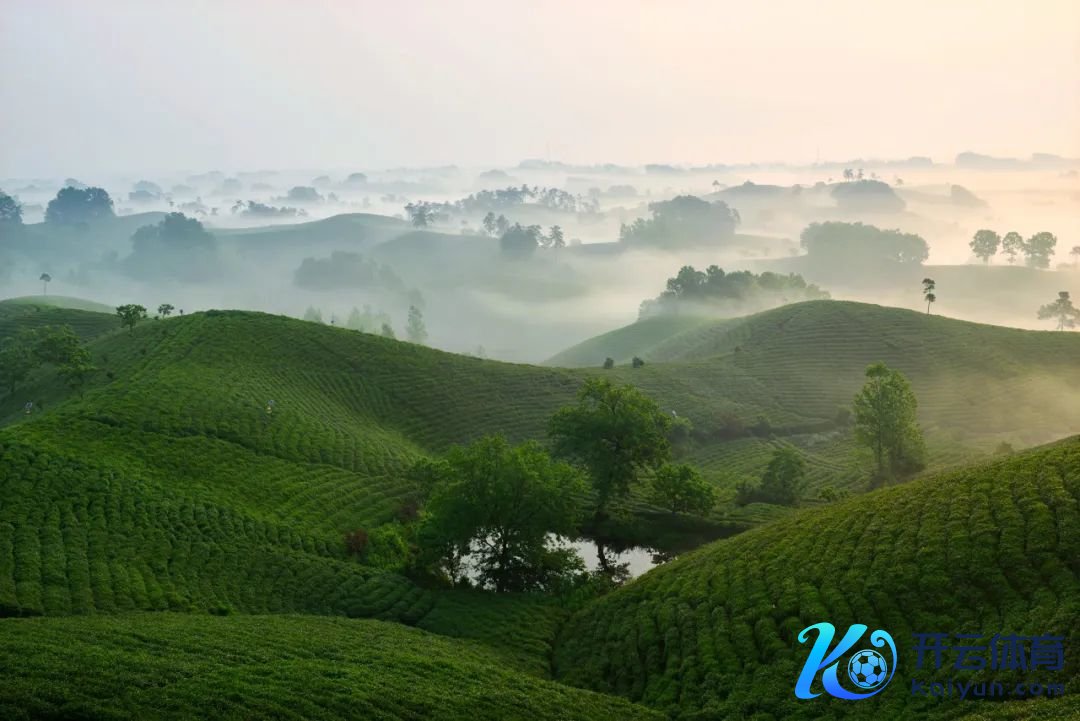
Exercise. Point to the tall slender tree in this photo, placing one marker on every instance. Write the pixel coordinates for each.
(45, 280)
(928, 288)
(1062, 310)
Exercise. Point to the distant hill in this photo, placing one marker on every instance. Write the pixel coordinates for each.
(989, 549)
(180, 666)
(59, 301)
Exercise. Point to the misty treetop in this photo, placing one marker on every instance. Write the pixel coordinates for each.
(848, 244)
(696, 291)
(867, 196)
(343, 270)
(177, 248)
(1037, 250)
(683, 221)
(72, 206)
(10, 210)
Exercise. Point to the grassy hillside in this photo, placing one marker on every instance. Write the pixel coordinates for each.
(59, 301)
(993, 548)
(88, 322)
(173, 666)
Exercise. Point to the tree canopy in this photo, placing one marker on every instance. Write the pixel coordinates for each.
(1062, 310)
(178, 247)
(72, 206)
(886, 423)
(613, 432)
(712, 289)
(985, 244)
(683, 221)
(10, 210)
(846, 244)
(499, 503)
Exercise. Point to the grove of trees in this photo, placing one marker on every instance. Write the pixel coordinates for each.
(1037, 250)
(683, 221)
(73, 206)
(841, 244)
(692, 290)
(28, 350)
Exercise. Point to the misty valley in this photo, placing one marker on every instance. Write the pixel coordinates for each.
(359, 364)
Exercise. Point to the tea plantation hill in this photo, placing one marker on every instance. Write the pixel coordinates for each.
(991, 548)
(183, 666)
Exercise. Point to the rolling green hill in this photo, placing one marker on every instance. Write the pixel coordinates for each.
(992, 548)
(176, 666)
(59, 301)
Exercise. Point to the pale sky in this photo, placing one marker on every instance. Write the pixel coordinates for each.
(145, 85)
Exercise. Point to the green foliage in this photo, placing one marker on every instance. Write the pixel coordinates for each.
(697, 291)
(17, 360)
(855, 244)
(130, 315)
(29, 349)
(985, 244)
(784, 480)
(165, 310)
(1062, 310)
(885, 421)
(387, 331)
(712, 635)
(609, 363)
(614, 432)
(681, 489)
(501, 502)
(73, 206)
(683, 221)
(181, 666)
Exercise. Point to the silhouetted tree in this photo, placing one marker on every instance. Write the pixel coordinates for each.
(985, 244)
(75, 205)
(130, 315)
(165, 310)
(1012, 245)
(388, 331)
(1039, 248)
(45, 280)
(1061, 310)
(928, 288)
(609, 363)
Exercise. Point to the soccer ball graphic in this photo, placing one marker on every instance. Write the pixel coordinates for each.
(867, 669)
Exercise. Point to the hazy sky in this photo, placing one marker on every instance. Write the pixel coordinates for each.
(112, 86)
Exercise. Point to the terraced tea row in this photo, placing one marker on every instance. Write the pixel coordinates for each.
(989, 549)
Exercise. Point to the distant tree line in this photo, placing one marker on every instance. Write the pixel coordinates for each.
(423, 214)
(838, 244)
(346, 270)
(1037, 250)
(683, 221)
(692, 290)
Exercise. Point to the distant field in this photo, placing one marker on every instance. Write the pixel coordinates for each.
(177, 666)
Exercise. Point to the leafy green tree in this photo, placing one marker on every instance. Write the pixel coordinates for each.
(10, 210)
(79, 205)
(784, 480)
(415, 330)
(1039, 248)
(609, 363)
(502, 502)
(388, 331)
(130, 315)
(45, 280)
(17, 359)
(56, 344)
(985, 244)
(1062, 310)
(614, 432)
(1012, 245)
(886, 423)
(928, 294)
(681, 489)
(165, 310)
(77, 369)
